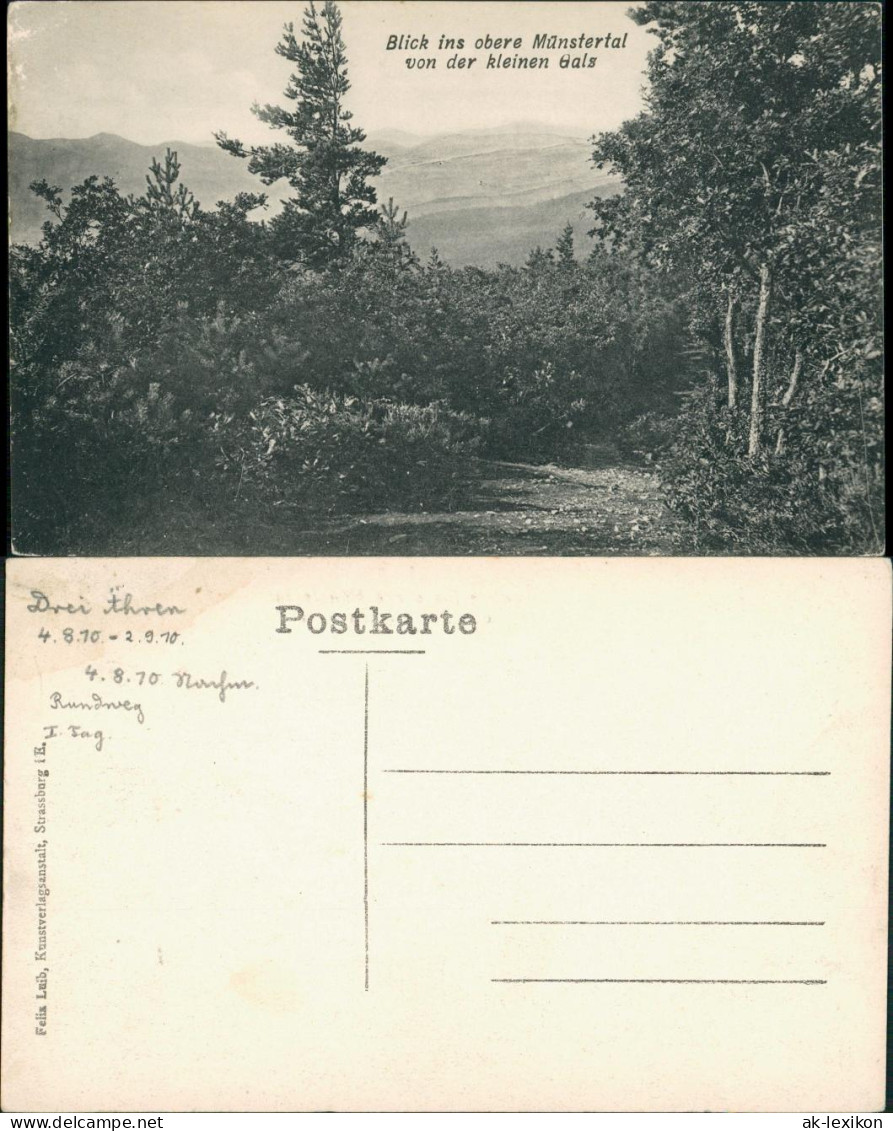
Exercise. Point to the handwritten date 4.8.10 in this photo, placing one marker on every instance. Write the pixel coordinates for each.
(118, 675)
(183, 680)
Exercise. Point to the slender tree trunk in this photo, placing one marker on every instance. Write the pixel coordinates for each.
(758, 395)
(729, 343)
(795, 377)
(788, 397)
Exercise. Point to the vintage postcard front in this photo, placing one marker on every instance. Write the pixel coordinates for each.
(404, 277)
(395, 835)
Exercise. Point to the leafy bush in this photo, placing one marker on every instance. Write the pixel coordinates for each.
(535, 413)
(125, 433)
(530, 344)
(325, 452)
(821, 493)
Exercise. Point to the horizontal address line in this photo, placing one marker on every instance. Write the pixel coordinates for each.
(678, 981)
(591, 844)
(662, 773)
(657, 922)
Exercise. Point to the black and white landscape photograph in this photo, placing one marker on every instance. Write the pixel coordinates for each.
(482, 278)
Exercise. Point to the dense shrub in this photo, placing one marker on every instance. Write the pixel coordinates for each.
(102, 438)
(821, 493)
(530, 349)
(535, 413)
(325, 452)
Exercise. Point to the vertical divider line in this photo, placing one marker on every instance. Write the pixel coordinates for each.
(366, 819)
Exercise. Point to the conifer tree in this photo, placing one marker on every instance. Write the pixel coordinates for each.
(564, 249)
(324, 163)
(161, 197)
(392, 240)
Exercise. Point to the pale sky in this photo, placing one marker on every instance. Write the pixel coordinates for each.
(157, 70)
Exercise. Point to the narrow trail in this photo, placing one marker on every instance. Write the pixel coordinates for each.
(605, 506)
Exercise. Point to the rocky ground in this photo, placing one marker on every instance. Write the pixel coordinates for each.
(607, 506)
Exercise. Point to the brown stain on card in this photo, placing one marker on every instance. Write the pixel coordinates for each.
(268, 986)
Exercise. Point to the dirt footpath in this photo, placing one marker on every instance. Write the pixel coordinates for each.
(607, 507)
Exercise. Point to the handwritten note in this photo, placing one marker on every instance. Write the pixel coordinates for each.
(412, 835)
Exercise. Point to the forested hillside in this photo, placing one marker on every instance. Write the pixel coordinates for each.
(187, 378)
(481, 197)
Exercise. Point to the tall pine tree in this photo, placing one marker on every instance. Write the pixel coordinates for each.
(324, 163)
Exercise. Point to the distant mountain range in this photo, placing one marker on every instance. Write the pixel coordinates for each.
(480, 196)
